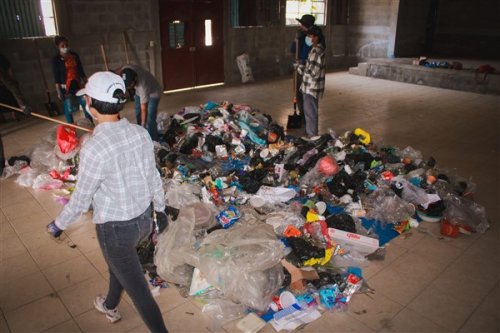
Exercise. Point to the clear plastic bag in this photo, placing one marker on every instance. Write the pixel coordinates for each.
(221, 311)
(174, 247)
(163, 120)
(180, 195)
(414, 155)
(411, 193)
(385, 206)
(280, 220)
(244, 263)
(465, 212)
(27, 177)
(43, 156)
(46, 182)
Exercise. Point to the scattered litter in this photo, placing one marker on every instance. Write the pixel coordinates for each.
(269, 227)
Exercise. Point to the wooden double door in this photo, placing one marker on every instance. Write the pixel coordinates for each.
(192, 42)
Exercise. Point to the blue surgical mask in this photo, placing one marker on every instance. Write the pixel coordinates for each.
(64, 50)
(309, 41)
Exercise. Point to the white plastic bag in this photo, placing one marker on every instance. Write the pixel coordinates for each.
(243, 62)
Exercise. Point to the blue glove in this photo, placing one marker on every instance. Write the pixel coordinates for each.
(53, 230)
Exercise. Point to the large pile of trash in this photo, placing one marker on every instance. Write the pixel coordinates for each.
(271, 226)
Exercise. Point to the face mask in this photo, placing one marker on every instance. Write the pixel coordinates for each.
(87, 109)
(64, 50)
(309, 41)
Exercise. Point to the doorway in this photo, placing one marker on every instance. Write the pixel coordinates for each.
(192, 43)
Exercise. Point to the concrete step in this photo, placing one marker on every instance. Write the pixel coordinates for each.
(404, 71)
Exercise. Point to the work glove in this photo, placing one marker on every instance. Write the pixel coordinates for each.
(161, 221)
(26, 109)
(60, 95)
(53, 230)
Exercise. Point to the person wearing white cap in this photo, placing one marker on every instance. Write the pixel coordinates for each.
(118, 176)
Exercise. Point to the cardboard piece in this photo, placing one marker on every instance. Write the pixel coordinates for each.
(298, 276)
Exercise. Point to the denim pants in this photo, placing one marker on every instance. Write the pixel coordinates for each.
(311, 113)
(151, 125)
(71, 103)
(119, 241)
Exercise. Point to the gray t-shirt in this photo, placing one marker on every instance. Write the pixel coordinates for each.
(147, 86)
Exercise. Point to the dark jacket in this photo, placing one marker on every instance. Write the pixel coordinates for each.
(59, 70)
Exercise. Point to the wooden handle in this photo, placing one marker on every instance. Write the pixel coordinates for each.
(126, 48)
(46, 118)
(104, 57)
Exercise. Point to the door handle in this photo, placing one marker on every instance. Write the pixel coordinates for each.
(192, 49)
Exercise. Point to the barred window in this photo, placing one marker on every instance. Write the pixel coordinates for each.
(296, 8)
(27, 18)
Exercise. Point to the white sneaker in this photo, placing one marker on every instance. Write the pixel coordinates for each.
(112, 315)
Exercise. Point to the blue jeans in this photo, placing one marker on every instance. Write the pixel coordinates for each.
(71, 103)
(119, 241)
(151, 125)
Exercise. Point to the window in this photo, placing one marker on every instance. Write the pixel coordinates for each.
(27, 18)
(176, 34)
(208, 33)
(254, 13)
(296, 8)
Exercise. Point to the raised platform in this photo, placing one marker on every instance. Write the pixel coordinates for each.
(403, 70)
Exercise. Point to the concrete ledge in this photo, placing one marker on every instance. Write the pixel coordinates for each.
(402, 70)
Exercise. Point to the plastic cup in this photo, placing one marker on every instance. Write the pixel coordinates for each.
(287, 299)
(321, 207)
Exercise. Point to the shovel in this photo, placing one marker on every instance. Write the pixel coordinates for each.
(294, 120)
(51, 107)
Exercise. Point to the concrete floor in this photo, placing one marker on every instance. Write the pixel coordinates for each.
(425, 284)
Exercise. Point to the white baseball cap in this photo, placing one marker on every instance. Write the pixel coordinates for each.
(102, 85)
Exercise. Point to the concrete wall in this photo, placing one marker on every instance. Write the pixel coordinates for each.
(87, 24)
(411, 28)
(269, 47)
(372, 28)
(468, 29)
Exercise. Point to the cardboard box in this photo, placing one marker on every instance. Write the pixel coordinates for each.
(348, 240)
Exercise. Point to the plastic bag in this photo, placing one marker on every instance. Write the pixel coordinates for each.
(163, 120)
(464, 212)
(43, 157)
(67, 141)
(180, 195)
(267, 194)
(27, 177)
(385, 206)
(244, 263)
(410, 192)
(222, 311)
(280, 220)
(174, 247)
(243, 62)
(46, 182)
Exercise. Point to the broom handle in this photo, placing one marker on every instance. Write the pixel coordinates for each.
(126, 48)
(295, 71)
(46, 118)
(104, 57)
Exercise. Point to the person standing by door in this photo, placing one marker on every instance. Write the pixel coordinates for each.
(313, 78)
(306, 22)
(118, 176)
(147, 96)
(69, 77)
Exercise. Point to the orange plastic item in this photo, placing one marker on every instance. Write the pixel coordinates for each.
(291, 231)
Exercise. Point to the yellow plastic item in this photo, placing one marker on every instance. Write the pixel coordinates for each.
(312, 216)
(364, 136)
(320, 261)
